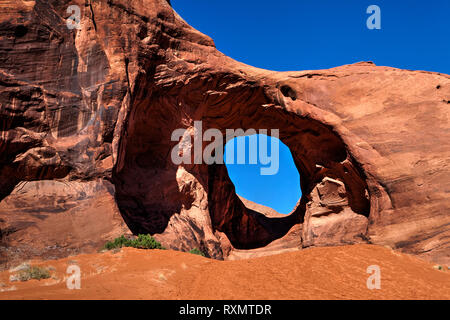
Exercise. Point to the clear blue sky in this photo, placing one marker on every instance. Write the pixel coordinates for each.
(317, 34)
(280, 191)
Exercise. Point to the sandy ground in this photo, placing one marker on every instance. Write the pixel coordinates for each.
(317, 273)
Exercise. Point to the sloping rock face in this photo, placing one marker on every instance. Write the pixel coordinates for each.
(86, 118)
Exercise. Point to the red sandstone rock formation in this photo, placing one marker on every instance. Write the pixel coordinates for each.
(86, 118)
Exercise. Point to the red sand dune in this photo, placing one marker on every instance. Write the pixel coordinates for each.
(317, 273)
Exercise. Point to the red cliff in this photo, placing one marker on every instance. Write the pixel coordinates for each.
(86, 117)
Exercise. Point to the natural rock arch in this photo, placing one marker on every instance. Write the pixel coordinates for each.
(87, 130)
(150, 189)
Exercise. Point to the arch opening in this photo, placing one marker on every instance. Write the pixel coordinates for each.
(263, 173)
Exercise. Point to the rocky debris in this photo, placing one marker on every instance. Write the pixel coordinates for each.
(330, 219)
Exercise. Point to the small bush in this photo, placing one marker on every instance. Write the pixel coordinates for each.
(197, 251)
(37, 273)
(143, 241)
(146, 241)
(117, 243)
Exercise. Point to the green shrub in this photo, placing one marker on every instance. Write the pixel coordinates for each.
(146, 241)
(33, 273)
(117, 243)
(143, 241)
(197, 251)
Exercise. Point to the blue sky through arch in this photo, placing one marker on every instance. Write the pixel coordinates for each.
(280, 191)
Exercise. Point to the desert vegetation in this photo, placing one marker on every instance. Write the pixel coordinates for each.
(143, 241)
(27, 272)
(197, 251)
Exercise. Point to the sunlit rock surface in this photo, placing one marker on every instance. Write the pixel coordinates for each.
(86, 117)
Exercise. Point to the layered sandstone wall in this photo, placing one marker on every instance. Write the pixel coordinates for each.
(86, 117)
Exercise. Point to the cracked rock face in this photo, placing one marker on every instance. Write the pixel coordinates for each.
(86, 117)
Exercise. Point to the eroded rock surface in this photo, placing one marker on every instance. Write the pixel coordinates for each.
(86, 117)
